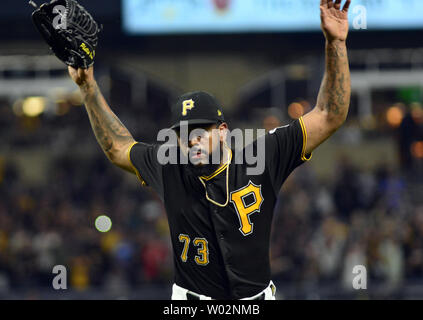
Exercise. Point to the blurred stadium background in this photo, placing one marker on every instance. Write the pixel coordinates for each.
(359, 201)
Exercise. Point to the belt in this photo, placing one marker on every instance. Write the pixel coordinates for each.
(194, 296)
(270, 290)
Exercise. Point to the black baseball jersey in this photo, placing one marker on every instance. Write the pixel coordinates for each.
(219, 250)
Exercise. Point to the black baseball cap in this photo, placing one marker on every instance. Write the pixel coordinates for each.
(197, 107)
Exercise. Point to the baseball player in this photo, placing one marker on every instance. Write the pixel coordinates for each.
(219, 216)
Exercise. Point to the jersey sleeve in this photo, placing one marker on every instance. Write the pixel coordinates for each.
(143, 158)
(285, 150)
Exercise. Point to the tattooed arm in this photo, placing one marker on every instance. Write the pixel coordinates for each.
(334, 96)
(111, 134)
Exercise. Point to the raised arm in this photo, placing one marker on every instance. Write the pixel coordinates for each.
(111, 134)
(334, 96)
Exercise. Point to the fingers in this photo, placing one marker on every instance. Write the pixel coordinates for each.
(346, 6)
(335, 4)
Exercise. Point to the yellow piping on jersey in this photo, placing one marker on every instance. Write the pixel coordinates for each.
(303, 129)
(128, 153)
(220, 169)
(227, 181)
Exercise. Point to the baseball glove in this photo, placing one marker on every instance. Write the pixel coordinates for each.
(69, 30)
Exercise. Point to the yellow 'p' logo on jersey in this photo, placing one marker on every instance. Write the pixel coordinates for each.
(245, 210)
(187, 105)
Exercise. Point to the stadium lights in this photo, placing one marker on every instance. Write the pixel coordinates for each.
(34, 106)
(295, 110)
(394, 116)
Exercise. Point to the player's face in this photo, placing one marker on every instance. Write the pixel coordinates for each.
(204, 140)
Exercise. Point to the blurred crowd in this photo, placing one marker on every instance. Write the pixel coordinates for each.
(323, 230)
(49, 221)
(54, 225)
(322, 227)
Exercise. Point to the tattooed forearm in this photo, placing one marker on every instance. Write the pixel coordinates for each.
(108, 129)
(335, 92)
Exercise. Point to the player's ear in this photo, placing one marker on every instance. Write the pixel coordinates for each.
(223, 130)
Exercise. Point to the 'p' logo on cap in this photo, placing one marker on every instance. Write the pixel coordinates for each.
(187, 105)
(198, 108)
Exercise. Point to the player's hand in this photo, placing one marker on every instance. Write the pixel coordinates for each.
(334, 19)
(82, 76)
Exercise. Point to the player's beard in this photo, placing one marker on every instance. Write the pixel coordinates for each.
(208, 168)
